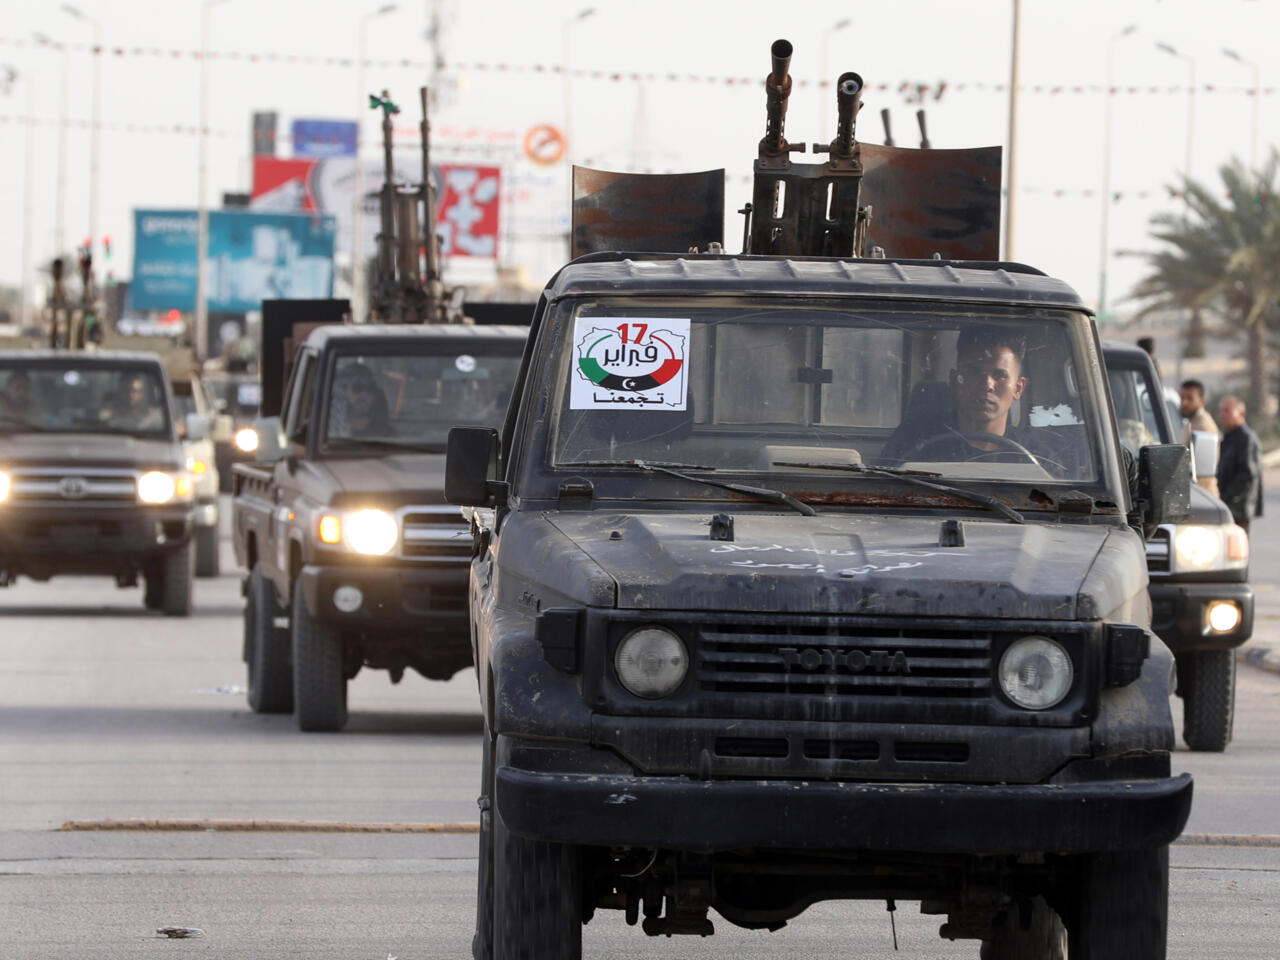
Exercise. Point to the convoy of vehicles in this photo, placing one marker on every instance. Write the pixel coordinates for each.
(341, 521)
(762, 618)
(93, 476)
(1202, 604)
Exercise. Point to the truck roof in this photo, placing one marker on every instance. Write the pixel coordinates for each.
(1127, 352)
(461, 332)
(670, 274)
(104, 357)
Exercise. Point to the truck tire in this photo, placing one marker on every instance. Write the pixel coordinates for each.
(482, 939)
(207, 563)
(1037, 934)
(266, 649)
(319, 682)
(1122, 906)
(537, 894)
(1208, 698)
(153, 587)
(177, 577)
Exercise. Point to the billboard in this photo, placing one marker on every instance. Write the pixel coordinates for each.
(468, 200)
(324, 138)
(253, 257)
(282, 185)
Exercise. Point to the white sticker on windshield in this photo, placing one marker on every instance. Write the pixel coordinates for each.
(629, 363)
(71, 377)
(466, 363)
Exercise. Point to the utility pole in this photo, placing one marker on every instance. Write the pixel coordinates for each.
(1011, 188)
(1104, 245)
(95, 125)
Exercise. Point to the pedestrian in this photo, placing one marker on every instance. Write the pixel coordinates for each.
(1191, 406)
(1239, 464)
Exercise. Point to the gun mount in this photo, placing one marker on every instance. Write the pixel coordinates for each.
(927, 202)
(409, 287)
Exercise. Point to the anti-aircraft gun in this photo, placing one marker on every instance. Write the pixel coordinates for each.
(409, 288)
(924, 202)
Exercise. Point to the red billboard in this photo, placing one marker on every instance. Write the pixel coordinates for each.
(282, 186)
(467, 214)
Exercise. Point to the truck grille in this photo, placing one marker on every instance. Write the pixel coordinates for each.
(434, 533)
(69, 485)
(843, 662)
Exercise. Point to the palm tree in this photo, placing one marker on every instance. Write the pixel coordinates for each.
(1223, 254)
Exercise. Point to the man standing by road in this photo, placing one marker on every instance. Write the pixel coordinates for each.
(1191, 406)
(1240, 464)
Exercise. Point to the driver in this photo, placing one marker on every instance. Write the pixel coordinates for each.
(987, 379)
(136, 410)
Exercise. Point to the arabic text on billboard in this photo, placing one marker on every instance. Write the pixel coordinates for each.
(252, 257)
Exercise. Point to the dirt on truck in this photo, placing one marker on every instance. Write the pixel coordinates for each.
(806, 574)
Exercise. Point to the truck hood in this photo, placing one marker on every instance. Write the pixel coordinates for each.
(845, 564)
(392, 480)
(86, 450)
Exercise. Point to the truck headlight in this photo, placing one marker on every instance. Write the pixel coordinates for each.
(1035, 673)
(5, 484)
(651, 662)
(371, 532)
(1197, 548)
(246, 440)
(157, 486)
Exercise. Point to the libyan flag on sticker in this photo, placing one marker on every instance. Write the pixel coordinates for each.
(629, 363)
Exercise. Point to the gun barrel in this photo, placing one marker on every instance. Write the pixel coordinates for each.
(777, 89)
(848, 96)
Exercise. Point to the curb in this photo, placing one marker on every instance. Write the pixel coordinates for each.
(264, 826)
(1264, 658)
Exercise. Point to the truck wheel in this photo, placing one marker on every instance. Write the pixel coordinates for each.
(319, 683)
(1122, 906)
(266, 649)
(177, 576)
(537, 894)
(153, 587)
(1208, 698)
(482, 940)
(207, 564)
(1022, 935)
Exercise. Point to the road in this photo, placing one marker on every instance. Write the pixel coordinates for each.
(108, 712)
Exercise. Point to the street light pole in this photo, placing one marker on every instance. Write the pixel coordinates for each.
(60, 200)
(1256, 94)
(565, 29)
(1104, 245)
(94, 123)
(823, 106)
(1015, 81)
(357, 221)
(1191, 103)
(202, 210)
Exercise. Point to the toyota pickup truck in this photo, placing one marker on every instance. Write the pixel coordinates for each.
(341, 522)
(818, 572)
(93, 476)
(1202, 604)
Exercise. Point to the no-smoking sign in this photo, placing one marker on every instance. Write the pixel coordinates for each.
(544, 144)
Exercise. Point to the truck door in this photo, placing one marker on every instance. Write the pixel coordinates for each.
(299, 404)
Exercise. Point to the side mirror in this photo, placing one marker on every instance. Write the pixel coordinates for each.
(272, 445)
(1164, 484)
(471, 467)
(199, 427)
(1204, 449)
(224, 427)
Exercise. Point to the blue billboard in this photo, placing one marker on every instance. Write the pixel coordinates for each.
(252, 257)
(324, 138)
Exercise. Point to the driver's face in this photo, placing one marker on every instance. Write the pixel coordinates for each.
(137, 392)
(986, 382)
(359, 396)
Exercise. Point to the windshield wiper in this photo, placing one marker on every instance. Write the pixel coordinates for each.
(673, 469)
(912, 476)
(382, 444)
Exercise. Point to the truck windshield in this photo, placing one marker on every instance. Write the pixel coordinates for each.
(974, 395)
(383, 401)
(82, 398)
(1136, 420)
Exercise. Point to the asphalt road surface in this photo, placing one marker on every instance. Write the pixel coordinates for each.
(108, 712)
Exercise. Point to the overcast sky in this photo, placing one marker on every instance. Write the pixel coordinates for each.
(697, 102)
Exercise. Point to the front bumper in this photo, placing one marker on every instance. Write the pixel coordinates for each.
(394, 599)
(1178, 610)
(679, 813)
(89, 538)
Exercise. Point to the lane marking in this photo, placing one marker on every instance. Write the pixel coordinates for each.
(264, 826)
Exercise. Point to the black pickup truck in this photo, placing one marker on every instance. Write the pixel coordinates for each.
(341, 522)
(1202, 604)
(93, 477)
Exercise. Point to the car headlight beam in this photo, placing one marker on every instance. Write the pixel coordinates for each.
(371, 532)
(651, 662)
(246, 440)
(156, 486)
(1035, 673)
(5, 485)
(1198, 548)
